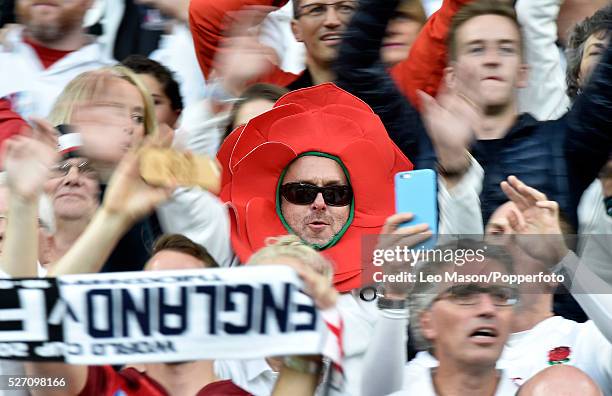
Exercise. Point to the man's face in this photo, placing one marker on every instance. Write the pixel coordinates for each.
(166, 260)
(50, 20)
(73, 189)
(318, 222)
(320, 25)
(594, 48)
(490, 46)
(472, 334)
(163, 107)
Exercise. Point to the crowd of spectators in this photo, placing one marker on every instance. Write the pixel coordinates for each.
(308, 109)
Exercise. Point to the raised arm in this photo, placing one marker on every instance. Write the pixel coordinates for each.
(207, 21)
(545, 96)
(589, 138)
(128, 198)
(28, 160)
(360, 71)
(424, 68)
(386, 354)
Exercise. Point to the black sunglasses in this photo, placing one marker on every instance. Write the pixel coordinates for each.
(305, 194)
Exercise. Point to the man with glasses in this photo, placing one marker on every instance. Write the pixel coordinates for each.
(316, 199)
(528, 226)
(465, 324)
(320, 25)
(319, 165)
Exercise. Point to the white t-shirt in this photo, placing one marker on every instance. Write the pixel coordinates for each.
(253, 375)
(528, 352)
(33, 89)
(421, 384)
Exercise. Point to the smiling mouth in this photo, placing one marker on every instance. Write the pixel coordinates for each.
(334, 38)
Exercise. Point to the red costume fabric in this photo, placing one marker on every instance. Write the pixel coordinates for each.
(322, 119)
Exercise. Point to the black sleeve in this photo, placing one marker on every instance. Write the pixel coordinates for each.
(589, 138)
(360, 71)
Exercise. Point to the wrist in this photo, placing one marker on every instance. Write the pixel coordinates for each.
(29, 199)
(454, 162)
(304, 365)
(114, 219)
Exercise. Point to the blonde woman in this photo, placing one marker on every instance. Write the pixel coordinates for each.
(112, 111)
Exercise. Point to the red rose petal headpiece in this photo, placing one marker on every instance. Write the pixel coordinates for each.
(323, 119)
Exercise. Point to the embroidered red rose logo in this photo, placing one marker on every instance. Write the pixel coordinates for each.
(559, 355)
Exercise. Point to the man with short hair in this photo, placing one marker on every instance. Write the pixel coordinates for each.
(530, 230)
(465, 324)
(319, 165)
(44, 55)
(299, 168)
(318, 221)
(559, 158)
(320, 25)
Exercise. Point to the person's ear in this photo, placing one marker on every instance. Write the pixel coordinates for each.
(449, 76)
(523, 76)
(296, 29)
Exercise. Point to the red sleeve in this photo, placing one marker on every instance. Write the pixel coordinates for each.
(10, 122)
(102, 381)
(207, 20)
(424, 68)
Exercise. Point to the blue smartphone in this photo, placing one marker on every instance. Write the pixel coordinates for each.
(417, 192)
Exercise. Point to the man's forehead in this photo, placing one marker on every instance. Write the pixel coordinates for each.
(488, 27)
(302, 3)
(315, 168)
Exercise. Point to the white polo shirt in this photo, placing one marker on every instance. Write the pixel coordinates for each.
(422, 385)
(528, 352)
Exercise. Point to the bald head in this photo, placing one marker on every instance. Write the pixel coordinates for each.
(560, 380)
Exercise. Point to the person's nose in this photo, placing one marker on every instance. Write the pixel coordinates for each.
(486, 306)
(73, 176)
(332, 18)
(319, 203)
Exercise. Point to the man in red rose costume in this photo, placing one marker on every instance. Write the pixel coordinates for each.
(319, 165)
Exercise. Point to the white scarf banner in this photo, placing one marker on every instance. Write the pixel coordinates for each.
(167, 316)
